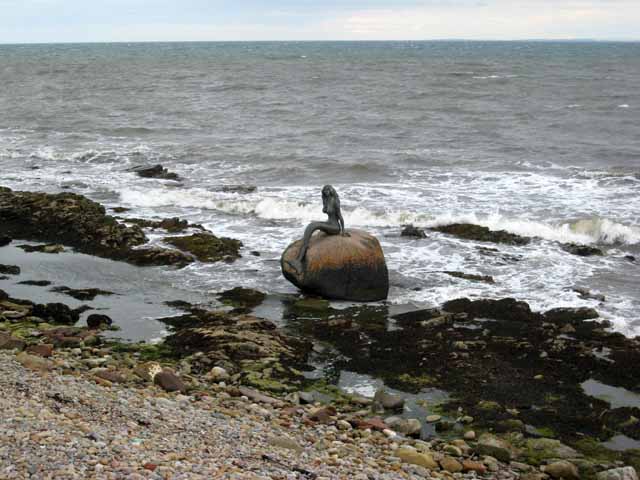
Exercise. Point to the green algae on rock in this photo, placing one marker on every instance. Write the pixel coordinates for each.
(74, 220)
(206, 247)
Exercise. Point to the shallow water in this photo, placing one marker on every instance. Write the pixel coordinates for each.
(538, 139)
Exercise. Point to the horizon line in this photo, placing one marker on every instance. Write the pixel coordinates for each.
(453, 39)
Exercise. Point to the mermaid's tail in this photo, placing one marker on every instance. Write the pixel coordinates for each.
(296, 265)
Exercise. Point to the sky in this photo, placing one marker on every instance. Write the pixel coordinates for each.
(50, 21)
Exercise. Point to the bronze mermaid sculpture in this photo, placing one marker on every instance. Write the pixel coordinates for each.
(333, 226)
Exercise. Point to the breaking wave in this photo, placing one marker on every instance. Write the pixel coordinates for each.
(586, 231)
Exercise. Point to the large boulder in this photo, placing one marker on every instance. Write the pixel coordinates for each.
(340, 267)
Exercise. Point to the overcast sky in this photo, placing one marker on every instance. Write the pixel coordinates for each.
(28, 21)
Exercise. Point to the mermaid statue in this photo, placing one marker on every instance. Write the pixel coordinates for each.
(333, 226)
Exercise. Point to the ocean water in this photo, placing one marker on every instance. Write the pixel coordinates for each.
(537, 138)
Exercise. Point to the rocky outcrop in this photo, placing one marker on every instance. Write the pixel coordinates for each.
(82, 294)
(411, 231)
(78, 222)
(171, 225)
(206, 247)
(469, 231)
(582, 250)
(154, 171)
(340, 267)
(9, 270)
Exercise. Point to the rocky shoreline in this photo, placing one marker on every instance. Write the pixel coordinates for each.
(227, 395)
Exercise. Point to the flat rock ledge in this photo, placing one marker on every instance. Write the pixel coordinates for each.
(340, 267)
(75, 221)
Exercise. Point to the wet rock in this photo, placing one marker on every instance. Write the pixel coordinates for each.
(388, 400)
(626, 473)
(82, 294)
(503, 309)
(411, 231)
(340, 267)
(9, 342)
(97, 321)
(9, 270)
(44, 350)
(477, 233)
(570, 315)
(472, 277)
(36, 283)
(169, 381)
(171, 225)
(56, 313)
(53, 248)
(539, 449)
(4, 240)
(207, 247)
(245, 298)
(154, 171)
(433, 418)
(416, 458)
(582, 250)
(493, 446)
(562, 470)
(405, 426)
(630, 258)
(586, 294)
(156, 256)
(242, 189)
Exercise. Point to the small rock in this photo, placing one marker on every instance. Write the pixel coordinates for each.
(416, 458)
(169, 381)
(389, 400)
(626, 473)
(470, 435)
(471, 466)
(563, 469)
(9, 342)
(218, 374)
(343, 425)
(452, 450)
(411, 231)
(9, 270)
(489, 444)
(406, 426)
(434, 418)
(97, 321)
(451, 465)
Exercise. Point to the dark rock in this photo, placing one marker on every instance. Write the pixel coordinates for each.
(156, 256)
(48, 248)
(472, 277)
(570, 315)
(154, 171)
(9, 342)
(411, 231)
(503, 309)
(255, 253)
(169, 381)
(56, 313)
(243, 189)
(631, 258)
(586, 294)
(120, 209)
(4, 240)
(180, 305)
(172, 225)
(36, 283)
(339, 267)
(239, 297)
(388, 400)
(42, 350)
(207, 247)
(9, 270)
(81, 294)
(469, 231)
(582, 250)
(69, 337)
(97, 321)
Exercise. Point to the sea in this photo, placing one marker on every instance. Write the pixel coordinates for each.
(540, 139)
